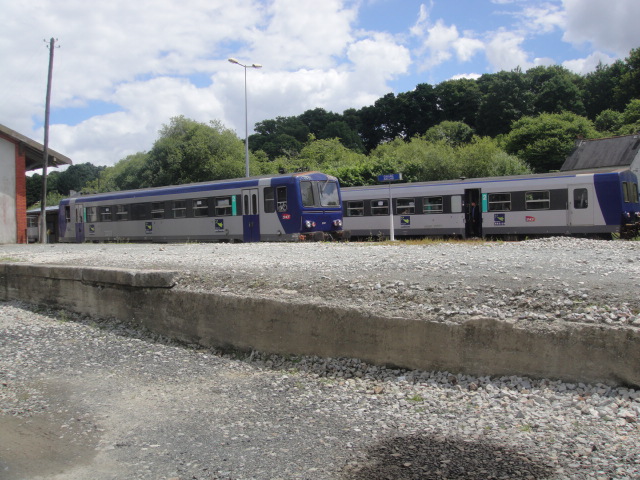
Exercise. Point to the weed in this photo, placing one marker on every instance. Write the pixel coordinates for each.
(415, 398)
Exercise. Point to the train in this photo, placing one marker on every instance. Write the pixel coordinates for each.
(286, 207)
(601, 204)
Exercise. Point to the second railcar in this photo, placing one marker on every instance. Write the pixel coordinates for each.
(290, 207)
(599, 204)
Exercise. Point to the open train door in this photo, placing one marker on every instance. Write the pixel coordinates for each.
(473, 212)
(250, 215)
(581, 200)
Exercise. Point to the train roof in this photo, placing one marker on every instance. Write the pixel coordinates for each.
(189, 186)
(506, 178)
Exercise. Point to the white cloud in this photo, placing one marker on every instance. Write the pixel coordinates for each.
(504, 51)
(607, 25)
(544, 18)
(588, 64)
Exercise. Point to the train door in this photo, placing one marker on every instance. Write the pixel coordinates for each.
(473, 213)
(79, 222)
(581, 200)
(250, 215)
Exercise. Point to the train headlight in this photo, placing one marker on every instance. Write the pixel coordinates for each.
(309, 224)
(337, 223)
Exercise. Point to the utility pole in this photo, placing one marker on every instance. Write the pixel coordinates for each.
(45, 156)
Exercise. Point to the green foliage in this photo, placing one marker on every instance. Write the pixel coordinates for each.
(608, 121)
(545, 141)
(453, 133)
(188, 151)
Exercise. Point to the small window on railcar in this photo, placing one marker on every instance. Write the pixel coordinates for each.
(634, 193)
(355, 209)
(139, 211)
(157, 210)
(329, 194)
(405, 206)
(67, 213)
(105, 214)
(200, 207)
(537, 200)
(269, 200)
(222, 206)
(92, 214)
(281, 198)
(625, 192)
(306, 191)
(580, 198)
(432, 205)
(179, 209)
(499, 202)
(380, 207)
(122, 212)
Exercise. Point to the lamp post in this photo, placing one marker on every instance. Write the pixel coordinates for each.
(246, 117)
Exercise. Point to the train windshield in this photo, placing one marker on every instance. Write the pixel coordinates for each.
(322, 193)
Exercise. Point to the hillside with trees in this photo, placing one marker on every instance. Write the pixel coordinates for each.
(500, 124)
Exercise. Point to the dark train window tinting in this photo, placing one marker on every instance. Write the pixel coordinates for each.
(499, 202)
(380, 207)
(537, 200)
(269, 200)
(580, 198)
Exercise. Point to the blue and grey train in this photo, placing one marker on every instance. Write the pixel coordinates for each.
(600, 204)
(290, 207)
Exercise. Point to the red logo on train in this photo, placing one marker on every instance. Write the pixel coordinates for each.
(530, 219)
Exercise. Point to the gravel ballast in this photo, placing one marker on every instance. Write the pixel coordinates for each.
(97, 398)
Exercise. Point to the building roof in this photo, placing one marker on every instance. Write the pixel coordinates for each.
(34, 151)
(603, 152)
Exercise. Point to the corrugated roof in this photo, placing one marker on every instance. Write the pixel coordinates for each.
(603, 152)
(34, 150)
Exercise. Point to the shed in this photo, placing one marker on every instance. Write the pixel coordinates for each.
(599, 153)
(18, 155)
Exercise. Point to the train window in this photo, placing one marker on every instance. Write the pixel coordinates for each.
(537, 200)
(634, 193)
(92, 214)
(222, 206)
(306, 191)
(432, 205)
(32, 222)
(329, 194)
(105, 214)
(630, 192)
(122, 212)
(355, 209)
(499, 202)
(200, 207)
(157, 209)
(179, 209)
(580, 198)
(139, 211)
(269, 200)
(380, 207)
(67, 213)
(281, 198)
(405, 206)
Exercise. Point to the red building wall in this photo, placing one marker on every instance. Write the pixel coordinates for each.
(21, 197)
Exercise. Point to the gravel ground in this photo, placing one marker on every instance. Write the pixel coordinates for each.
(90, 398)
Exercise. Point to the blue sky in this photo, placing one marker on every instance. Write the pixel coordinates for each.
(125, 68)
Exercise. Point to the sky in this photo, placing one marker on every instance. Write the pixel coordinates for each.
(122, 69)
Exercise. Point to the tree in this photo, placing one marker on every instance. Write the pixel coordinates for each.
(608, 121)
(506, 97)
(555, 89)
(545, 141)
(453, 133)
(75, 177)
(188, 151)
(417, 111)
(282, 135)
(630, 118)
(458, 100)
(599, 89)
(629, 85)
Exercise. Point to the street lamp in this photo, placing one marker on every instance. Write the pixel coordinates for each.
(246, 119)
